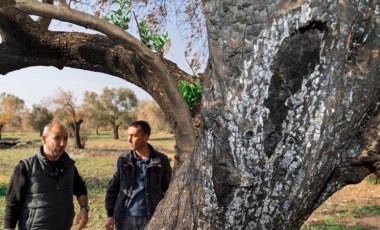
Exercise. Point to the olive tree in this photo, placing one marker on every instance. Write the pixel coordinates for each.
(38, 117)
(115, 107)
(11, 109)
(68, 111)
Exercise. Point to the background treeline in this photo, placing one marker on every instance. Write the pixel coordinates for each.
(112, 109)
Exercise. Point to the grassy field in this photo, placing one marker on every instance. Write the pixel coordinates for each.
(95, 164)
(355, 207)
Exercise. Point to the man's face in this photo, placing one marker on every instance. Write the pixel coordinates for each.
(55, 142)
(136, 138)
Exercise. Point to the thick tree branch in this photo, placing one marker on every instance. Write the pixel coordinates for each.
(120, 55)
(42, 21)
(63, 13)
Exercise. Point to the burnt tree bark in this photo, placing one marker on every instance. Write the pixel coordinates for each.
(289, 110)
(285, 113)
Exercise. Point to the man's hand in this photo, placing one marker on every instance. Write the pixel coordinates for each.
(110, 223)
(82, 218)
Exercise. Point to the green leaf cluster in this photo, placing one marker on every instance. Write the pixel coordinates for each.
(155, 42)
(122, 16)
(190, 92)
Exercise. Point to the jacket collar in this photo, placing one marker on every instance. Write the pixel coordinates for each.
(155, 160)
(64, 159)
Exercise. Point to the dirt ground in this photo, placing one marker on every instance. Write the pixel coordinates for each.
(353, 207)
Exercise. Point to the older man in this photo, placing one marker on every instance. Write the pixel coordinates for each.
(40, 193)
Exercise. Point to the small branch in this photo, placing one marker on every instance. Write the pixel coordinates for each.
(190, 66)
(137, 23)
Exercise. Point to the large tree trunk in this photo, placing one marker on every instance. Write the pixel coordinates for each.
(285, 109)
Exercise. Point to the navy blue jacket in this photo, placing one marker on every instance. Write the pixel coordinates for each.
(120, 186)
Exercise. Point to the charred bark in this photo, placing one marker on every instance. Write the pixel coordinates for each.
(285, 116)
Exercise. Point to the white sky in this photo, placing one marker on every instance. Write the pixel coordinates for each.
(34, 84)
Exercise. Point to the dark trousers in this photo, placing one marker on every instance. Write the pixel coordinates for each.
(134, 223)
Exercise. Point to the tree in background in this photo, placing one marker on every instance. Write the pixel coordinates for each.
(11, 109)
(66, 110)
(92, 110)
(153, 114)
(114, 106)
(39, 117)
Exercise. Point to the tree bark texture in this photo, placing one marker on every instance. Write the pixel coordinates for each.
(286, 110)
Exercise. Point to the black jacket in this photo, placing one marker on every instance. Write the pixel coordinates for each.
(120, 187)
(40, 194)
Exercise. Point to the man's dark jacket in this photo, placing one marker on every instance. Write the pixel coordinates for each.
(120, 187)
(49, 199)
(40, 193)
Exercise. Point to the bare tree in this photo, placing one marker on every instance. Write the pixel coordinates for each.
(11, 108)
(289, 108)
(69, 112)
(152, 113)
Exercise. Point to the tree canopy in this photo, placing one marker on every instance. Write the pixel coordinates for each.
(68, 111)
(39, 117)
(11, 108)
(113, 106)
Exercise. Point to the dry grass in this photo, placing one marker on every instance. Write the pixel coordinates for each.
(95, 164)
(354, 207)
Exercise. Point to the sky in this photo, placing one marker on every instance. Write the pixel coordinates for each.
(35, 84)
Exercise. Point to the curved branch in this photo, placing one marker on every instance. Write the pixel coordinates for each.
(63, 13)
(28, 44)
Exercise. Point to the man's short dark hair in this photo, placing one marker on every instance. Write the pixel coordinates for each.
(143, 125)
